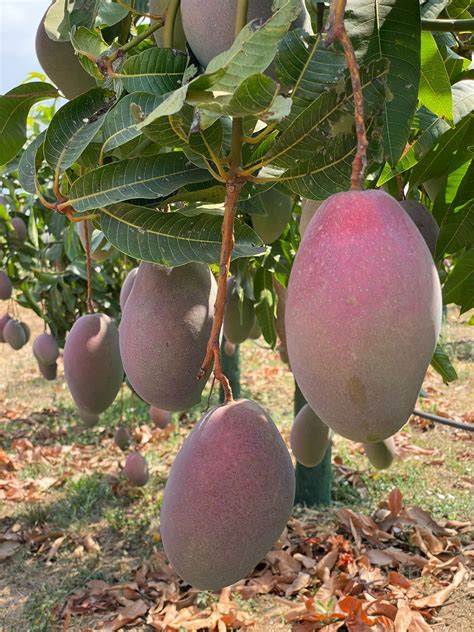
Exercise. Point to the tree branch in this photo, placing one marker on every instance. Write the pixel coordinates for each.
(449, 26)
(90, 306)
(336, 30)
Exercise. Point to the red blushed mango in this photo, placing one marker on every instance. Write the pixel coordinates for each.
(45, 349)
(92, 365)
(363, 314)
(160, 418)
(228, 497)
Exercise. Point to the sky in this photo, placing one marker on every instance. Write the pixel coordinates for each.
(19, 20)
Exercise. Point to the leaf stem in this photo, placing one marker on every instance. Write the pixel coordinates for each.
(449, 26)
(336, 30)
(170, 19)
(104, 62)
(90, 306)
(241, 15)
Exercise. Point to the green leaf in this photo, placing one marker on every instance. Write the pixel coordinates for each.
(459, 286)
(442, 365)
(257, 95)
(265, 304)
(156, 70)
(111, 13)
(390, 29)
(255, 47)
(56, 21)
(14, 108)
(329, 117)
(456, 217)
(147, 178)
(88, 43)
(33, 229)
(432, 8)
(435, 88)
(29, 164)
(74, 126)
(171, 238)
(83, 12)
(120, 124)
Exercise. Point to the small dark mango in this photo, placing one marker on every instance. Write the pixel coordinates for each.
(14, 334)
(122, 438)
(160, 418)
(6, 287)
(48, 371)
(20, 228)
(136, 469)
(45, 349)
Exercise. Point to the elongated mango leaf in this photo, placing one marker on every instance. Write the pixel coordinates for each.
(257, 96)
(265, 304)
(459, 286)
(328, 117)
(89, 43)
(14, 108)
(74, 126)
(29, 163)
(435, 88)
(120, 124)
(146, 178)
(172, 239)
(255, 47)
(156, 70)
(390, 29)
(442, 365)
(456, 217)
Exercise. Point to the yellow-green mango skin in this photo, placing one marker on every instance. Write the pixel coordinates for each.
(164, 333)
(278, 206)
(424, 221)
(229, 495)
(308, 211)
(309, 438)
(363, 315)
(381, 454)
(209, 26)
(158, 7)
(92, 365)
(239, 320)
(61, 64)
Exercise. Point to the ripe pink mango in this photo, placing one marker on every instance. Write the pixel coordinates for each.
(363, 314)
(160, 418)
(45, 349)
(228, 497)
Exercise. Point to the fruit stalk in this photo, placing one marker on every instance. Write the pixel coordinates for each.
(336, 31)
(90, 307)
(170, 18)
(233, 188)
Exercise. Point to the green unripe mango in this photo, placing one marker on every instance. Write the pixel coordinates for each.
(158, 7)
(239, 318)
(308, 211)
(309, 437)
(229, 495)
(61, 64)
(381, 454)
(278, 207)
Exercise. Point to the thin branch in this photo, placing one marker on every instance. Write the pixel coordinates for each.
(233, 189)
(90, 306)
(448, 26)
(336, 30)
(170, 19)
(104, 62)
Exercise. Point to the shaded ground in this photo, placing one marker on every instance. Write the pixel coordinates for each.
(80, 546)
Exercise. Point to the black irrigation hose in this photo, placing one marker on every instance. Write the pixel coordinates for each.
(445, 422)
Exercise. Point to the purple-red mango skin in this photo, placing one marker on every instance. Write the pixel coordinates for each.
(3, 321)
(92, 365)
(48, 371)
(381, 454)
(160, 418)
(228, 497)
(6, 286)
(136, 469)
(309, 438)
(20, 228)
(45, 349)
(127, 287)
(14, 334)
(363, 315)
(164, 332)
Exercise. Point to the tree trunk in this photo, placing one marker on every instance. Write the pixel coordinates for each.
(231, 369)
(313, 484)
